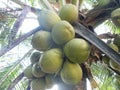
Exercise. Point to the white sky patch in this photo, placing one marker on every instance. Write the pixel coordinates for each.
(102, 29)
(2, 5)
(88, 85)
(29, 23)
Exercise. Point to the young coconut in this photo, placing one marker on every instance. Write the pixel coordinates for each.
(28, 72)
(115, 17)
(51, 60)
(69, 12)
(114, 65)
(42, 40)
(35, 57)
(77, 50)
(48, 19)
(38, 84)
(36, 71)
(49, 80)
(71, 73)
(62, 32)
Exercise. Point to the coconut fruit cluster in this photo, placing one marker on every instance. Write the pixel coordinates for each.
(59, 53)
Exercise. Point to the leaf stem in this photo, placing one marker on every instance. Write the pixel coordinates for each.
(17, 41)
(18, 24)
(12, 85)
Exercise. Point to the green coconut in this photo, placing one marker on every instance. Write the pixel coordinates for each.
(35, 57)
(106, 59)
(38, 84)
(28, 72)
(51, 61)
(49, 80)
(48, 19)
(77, 50)
(115, 17)
(42, 40)
(71, 73)
(36, 71)
(69, 12)
(114, 65)
(62, 32)
(116, 41)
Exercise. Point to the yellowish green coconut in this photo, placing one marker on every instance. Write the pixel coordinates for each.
(114, 65)
(71, 73)
(35, 57)
(51, 61)
(49, 80)
(28, 72)
(77, 50)
(69, 12)
(38, 84)
(42, 40)
(36, 71)
(115, 17)
(62, 32)
(48, 19)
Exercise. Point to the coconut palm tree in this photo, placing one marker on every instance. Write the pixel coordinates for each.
(94, 16)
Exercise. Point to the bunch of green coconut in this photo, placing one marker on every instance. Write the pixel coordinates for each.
(62, 53)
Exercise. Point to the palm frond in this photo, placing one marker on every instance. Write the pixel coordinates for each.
(11, 72)
(112, 27)
(104, 76)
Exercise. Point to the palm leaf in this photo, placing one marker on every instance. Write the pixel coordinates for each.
(104, 76)
(11, 72)
(112, 27)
